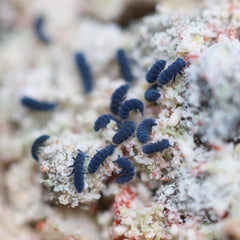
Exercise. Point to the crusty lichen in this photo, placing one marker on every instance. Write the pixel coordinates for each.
(189, 191)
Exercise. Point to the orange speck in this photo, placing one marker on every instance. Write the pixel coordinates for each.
(193, 56)
(205, 39)
(40, 225)
(43, 169)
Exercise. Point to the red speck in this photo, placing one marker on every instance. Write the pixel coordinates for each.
(40, 225)
(119, 238)
(173, 217)
(224, 215)
(204, 77)
(132, 238)
(180, 38)
(43, 169)
(164, 95)
(230, 8)
(93, 208)
(189, 57)
(163, 164)
(197, 170)
(154, 174)
(165, 179)
(199, 122)
(153, 133)
(205, 39)
(176, 147)
(216, 147)
(75, 129)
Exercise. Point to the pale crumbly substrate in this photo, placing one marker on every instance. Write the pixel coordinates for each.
(190, 191)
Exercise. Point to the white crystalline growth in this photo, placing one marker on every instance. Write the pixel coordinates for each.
(55, 159)
(215, 86)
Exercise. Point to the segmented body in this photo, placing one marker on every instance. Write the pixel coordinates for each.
(85, 71)
(124, 65)
(144, 128)
(103, 120)
(37, 144)
(39, 31)
(128, 170)
(172, 71)
(117, 98)
(100, 157)
(152, 94)
(78, 171)
(126, 131)
(155, 70)
(34, 104)
(129, 105)
(156, 147)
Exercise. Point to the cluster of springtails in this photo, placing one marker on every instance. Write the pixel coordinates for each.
(118, 107)
(156, 73)
(125, 131)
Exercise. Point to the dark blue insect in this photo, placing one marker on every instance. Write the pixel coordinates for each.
(85, 71)
(155, 70)
(152, 94)
(129, 105)
(78, 171)
(144, 128)
(156, 147)
(172, 71)
(124, 65)
(34, 104)
(103, 120)
(100, 157)
(128, 170)
(37, 144)
(126, 131)
(117, 98)
(38, 28)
